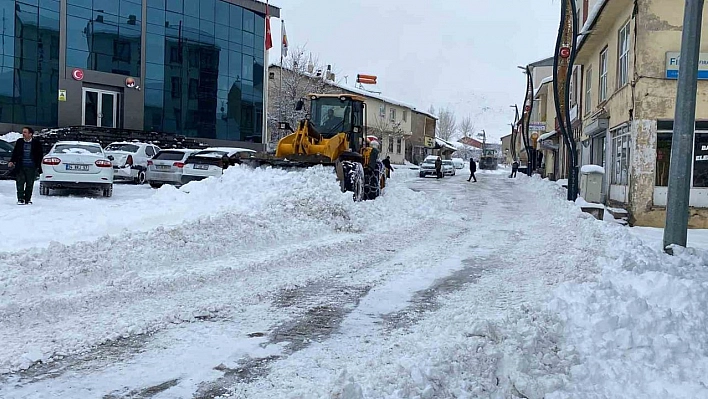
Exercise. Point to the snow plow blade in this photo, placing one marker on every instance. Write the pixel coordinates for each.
(256, 160)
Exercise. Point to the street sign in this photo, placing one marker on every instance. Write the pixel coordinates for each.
(62, 95)
(429, 142)
(672, 65)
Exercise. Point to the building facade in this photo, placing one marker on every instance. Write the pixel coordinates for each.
(421, 142)
(186, 67)
(630, 74)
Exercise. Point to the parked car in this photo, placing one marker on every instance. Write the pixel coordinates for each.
(427, 167)
(448, 168)
(5, 156)
(459, 163)
(130, 160)
(211, 162)
(76, 165)
(166, 167)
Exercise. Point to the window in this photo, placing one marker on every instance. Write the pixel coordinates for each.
(399, 143)
(393, 114)
(571, 91)
(149, 151)
(663, 159)
(405, 115)
(620, 156)
(382, 111)
(176, 87)
(390, 144)
(588, 90)
(623, 57)
(603, 76)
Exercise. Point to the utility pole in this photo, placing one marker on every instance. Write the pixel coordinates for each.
(684, 124)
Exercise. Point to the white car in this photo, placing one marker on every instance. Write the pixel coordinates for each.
(166, 167)
(448, 168)
(130, 160)
(211, 162)
(458, 162)
(76, 165)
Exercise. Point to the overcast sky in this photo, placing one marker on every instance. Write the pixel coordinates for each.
(461, 54)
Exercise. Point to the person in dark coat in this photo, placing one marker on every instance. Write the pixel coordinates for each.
(438, 168)
(473, 169)
(26, 161)
(514, 168)
(387, 164)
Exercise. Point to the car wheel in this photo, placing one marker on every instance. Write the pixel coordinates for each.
(141, 178)
(155, 185)
(108, 192)
(43, 189)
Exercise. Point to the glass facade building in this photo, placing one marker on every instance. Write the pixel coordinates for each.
(187, 67)
(29, 74)
(204, 69)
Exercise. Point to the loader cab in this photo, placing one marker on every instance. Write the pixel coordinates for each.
(332, 114)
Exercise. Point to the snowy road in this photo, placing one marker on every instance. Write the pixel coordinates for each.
(290, 290)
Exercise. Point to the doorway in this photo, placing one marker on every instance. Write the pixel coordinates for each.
(100, 108)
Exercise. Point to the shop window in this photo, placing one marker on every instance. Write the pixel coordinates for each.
(700, 160)
(663, 159)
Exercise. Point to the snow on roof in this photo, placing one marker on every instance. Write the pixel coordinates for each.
(593, 15)
(546, 136)
(544, 81)
(88, 143)
(11, 136)
(446, 144)
(592, 169)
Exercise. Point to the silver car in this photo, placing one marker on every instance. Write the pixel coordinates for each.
(166, 167)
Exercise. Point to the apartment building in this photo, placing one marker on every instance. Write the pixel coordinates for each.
(629, 55)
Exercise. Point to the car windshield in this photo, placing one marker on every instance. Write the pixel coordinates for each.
(5, 146)
(123, 147)
(169, 156)
(447, 162)
(77, 149)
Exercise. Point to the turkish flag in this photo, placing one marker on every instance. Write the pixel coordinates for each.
(268, 38)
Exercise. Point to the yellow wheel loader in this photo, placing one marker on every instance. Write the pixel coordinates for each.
(333, 133)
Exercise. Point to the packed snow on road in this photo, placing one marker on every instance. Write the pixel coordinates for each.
(272, 284)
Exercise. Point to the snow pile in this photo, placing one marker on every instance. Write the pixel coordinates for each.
(11, 137)
(641, 330)
(68, 298)
(637, 329)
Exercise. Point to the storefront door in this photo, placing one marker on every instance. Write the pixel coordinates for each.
(100, 108)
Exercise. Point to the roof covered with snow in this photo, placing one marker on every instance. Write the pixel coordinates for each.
(593, 16)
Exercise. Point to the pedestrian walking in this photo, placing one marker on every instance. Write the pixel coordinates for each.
(473, 169)
(514, 168)
(387, 164)
(26, 161)
(438, 168)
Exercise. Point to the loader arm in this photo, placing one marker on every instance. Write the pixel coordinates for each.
(307, 141)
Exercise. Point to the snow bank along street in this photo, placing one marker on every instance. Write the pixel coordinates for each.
(269, 284)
